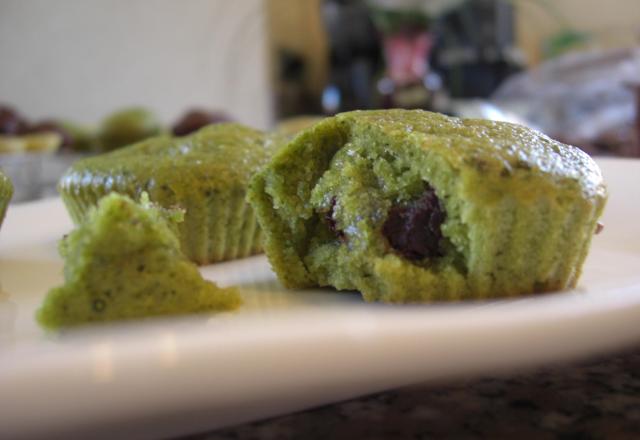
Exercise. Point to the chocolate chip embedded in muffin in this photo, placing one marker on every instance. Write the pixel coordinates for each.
(195, 119)
(331, 221)
(413, 229)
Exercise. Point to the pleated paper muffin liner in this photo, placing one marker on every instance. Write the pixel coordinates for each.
(217, 226)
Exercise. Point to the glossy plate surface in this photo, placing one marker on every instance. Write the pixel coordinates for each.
(285, 350)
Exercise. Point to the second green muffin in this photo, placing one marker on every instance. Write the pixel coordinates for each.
(206, 174)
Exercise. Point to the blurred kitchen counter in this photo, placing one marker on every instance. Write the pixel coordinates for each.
(597, 399)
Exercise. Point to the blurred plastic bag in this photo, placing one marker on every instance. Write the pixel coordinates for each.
(577, 97)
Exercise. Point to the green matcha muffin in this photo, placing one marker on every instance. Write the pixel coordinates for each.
(125, 262)
(205, 173)
(127, 126)
(411, 206)
(6, 192)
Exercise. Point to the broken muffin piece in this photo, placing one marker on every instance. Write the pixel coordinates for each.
(410, 206)
(125, 262)
(6, 192)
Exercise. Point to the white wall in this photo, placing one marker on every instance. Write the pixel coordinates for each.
(83, 58)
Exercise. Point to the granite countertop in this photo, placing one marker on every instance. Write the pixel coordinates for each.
(595, 399)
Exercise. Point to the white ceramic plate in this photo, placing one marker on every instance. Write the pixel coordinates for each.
(286, 350)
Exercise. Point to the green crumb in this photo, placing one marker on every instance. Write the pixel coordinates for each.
(6, 192)
(124, 262)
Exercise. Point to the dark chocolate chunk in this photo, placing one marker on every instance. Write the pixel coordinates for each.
(11, 123)
(413, 229)
(331, 222)
(599, 228)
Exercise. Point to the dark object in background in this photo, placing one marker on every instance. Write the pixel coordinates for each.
(195, 119)
(292, 94)
(475, 48)
(582, 98)
(621, 140)
(354, 56)
(636, 140)
(465, 51)
(49, 126)
(407, 40)
(72, 136)
(11, 122)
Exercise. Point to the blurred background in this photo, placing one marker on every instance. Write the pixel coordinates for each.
(81, 77)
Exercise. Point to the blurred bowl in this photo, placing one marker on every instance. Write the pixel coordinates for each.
(35, 175)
